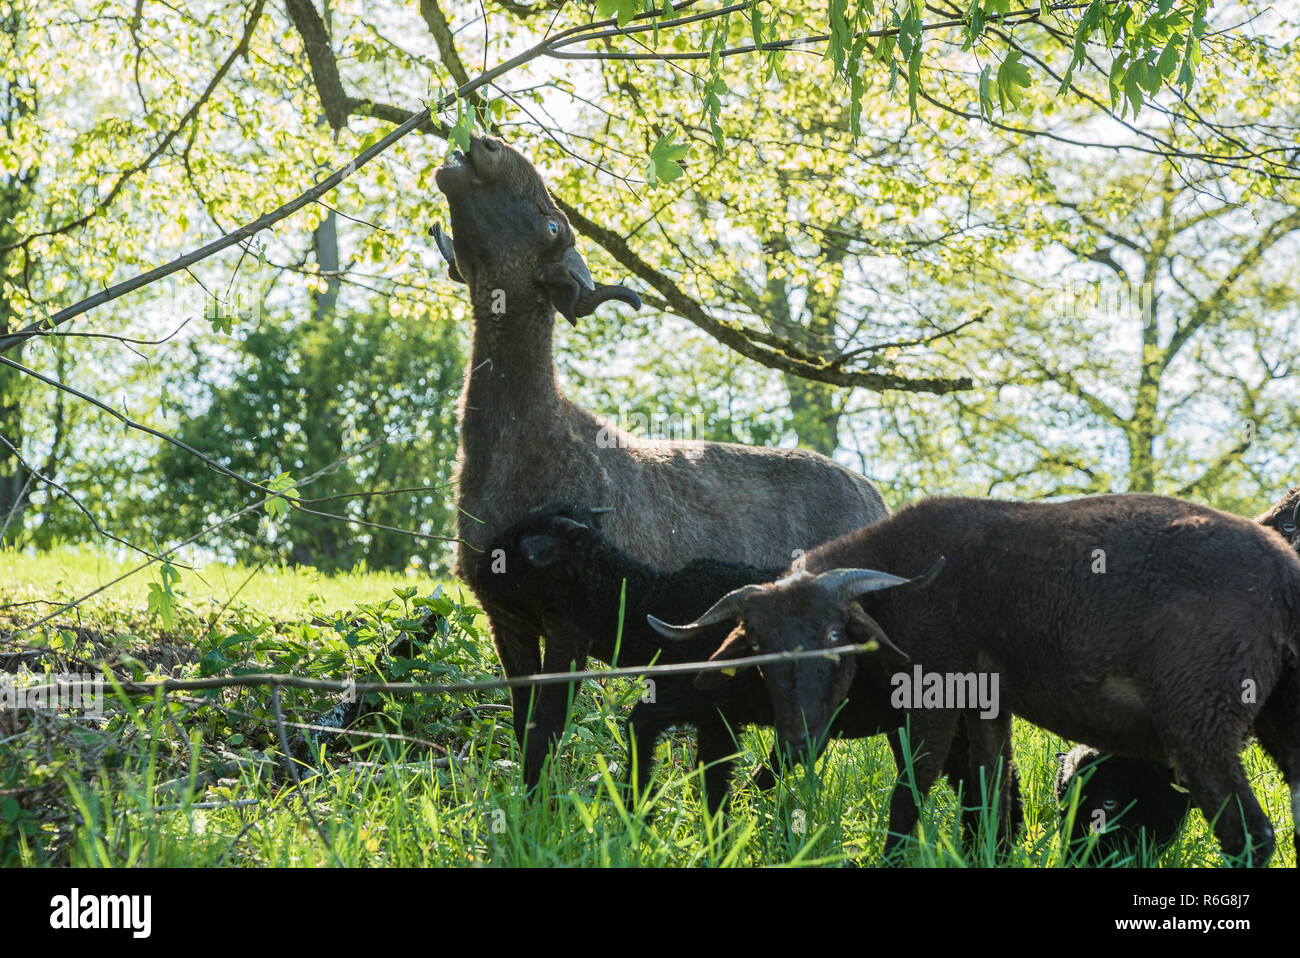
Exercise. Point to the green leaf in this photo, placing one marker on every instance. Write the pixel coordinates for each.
(1168, 61)
(222, 322)
(1132, 85)
(460, 133)
(624, 10)
(663, 165)
(1013, 79)
(1191, 58)
(986, 92)
(162, 605)
(169, 575)
(1148, 77)
(283, 483)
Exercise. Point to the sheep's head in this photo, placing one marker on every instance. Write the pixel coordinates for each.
(539, 549)
(1285, 518)
(801, 612)
(1121, 798)
(509, 239)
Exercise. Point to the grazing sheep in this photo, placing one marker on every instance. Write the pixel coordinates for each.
(555, 565)
(1147, 626)
(523, 444)
(1125, 800)
(1144, 789)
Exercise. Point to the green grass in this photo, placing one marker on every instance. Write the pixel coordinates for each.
(279, 592)
(195, 781)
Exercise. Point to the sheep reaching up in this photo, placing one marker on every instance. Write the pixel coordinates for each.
(523, 444)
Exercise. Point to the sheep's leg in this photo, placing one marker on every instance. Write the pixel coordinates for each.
(519, 655)
(1015, 817)
(551, 703)
(957, 768)
(764, 776)
(715, 752)
(931, 741)
(644, 726)
(1278, 728)
(1223, 794)
(989, 758)
(1204, 729)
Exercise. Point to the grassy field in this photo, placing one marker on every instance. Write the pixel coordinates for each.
(198, 779)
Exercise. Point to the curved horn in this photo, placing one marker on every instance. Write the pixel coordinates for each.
(573, 525)
(728, 607)
(588, 301)
(448, 251)
(846, 584)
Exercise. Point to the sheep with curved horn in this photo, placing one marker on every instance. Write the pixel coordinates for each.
(1146, 626)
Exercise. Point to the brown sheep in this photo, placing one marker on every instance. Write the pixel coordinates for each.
(523, 444)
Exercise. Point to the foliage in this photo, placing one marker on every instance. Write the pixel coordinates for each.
(304, 395)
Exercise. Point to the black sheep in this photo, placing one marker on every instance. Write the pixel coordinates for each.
(1145, 789)
(556, 565)
(1147, 626)
(1127, 801)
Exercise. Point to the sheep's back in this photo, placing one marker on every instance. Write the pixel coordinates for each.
(1100, 616)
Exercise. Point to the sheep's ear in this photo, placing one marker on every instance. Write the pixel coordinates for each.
(543, 551)
(863, 628)
(448, 251)
(736, 646)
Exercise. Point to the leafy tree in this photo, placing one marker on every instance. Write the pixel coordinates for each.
(304, 394)
(829, 190)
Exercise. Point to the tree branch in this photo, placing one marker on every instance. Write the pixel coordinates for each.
(784, 357)
(1208, 306)
(241, 49)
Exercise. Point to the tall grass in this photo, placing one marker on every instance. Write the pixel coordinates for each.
(200, 781)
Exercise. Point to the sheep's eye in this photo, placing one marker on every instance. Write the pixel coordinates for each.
(834, 637)
(1110, 804)
(1288, 527)
(553, 227)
